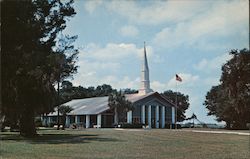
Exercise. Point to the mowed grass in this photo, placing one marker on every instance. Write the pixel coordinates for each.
(127, 144)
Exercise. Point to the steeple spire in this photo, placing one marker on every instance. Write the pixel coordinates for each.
(145, 83)
(145, 65)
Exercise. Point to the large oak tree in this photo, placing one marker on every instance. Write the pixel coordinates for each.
(230, 100)
(182, 103)
(32, 57)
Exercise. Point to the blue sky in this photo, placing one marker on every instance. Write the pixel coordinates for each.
(188, 37)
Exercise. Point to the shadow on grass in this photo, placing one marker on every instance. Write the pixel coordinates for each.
(58, 138)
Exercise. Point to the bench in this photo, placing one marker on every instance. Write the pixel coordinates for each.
(146, 127)
(55, 126)
(96, 126)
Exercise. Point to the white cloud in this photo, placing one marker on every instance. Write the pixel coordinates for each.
(222, 20)
(129, 31)
(157, 59)
(93, 79)
(89, 72)
(91, 5)
(126, 82)
(158, 86)
(113, 51)
(212, 81)
(170, 37)
(207, 66)
(157, 12)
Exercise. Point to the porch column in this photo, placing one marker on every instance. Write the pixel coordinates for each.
(157, 116)
(173, 115)
(67, 123)
(163, 117)
(87, 122)
(77, 119)
(44, 120)
(129, 117)
(143, 114)
(99, 120)
(49, 121)
(149, 116)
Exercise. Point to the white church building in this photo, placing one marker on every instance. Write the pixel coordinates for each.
(150, 108)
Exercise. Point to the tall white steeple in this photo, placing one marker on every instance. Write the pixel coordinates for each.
(145, 83)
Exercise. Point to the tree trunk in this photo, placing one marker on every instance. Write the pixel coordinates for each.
(116, 117)
(228, 125)
(27, 123)
(64, 122)
(46, 120)
(58, 97)
(240, 125)
(2, 120)
(193, 122)
(13, 119)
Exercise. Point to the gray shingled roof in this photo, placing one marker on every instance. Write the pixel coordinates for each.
(95, 105)
(86, 106)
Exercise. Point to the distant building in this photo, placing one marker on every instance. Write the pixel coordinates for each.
(150, 108)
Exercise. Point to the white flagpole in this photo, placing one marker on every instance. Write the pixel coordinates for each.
(176, 104)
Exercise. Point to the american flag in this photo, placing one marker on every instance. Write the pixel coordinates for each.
(178, 78)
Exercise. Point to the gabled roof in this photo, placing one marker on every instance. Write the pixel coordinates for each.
(137, 98)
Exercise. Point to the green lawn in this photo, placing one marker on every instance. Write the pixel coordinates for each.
(110, 143)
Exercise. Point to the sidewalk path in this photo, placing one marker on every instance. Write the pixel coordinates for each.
(197, 131)
(219, 132)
